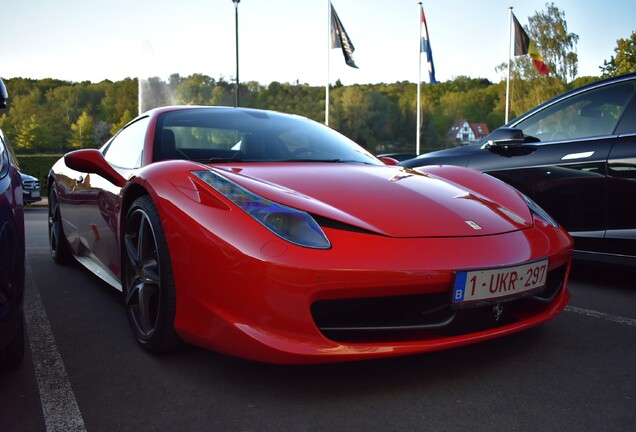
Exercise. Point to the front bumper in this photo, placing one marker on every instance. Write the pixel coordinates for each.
(31, 196)
(279, 303)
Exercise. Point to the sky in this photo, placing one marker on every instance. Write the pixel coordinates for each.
(284, 40)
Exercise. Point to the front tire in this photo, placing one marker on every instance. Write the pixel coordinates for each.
(147, 279)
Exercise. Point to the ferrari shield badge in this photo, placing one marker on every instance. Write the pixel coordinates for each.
(498, 310)
(473, 225)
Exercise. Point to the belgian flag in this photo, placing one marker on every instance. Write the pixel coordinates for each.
(525, 45)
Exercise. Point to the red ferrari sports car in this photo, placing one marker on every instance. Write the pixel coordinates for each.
(274, 238)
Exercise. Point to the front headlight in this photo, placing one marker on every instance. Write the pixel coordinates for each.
(290, 224)
(536, 209)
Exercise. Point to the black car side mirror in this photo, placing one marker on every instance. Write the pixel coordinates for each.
(3, 95)
(505, 137)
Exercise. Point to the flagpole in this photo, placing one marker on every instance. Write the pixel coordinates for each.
(509, 55)
(328, 54)
(419, 81)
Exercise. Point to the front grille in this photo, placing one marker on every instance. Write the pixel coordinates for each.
(553, 284)
(31, 185)
(422, 316)
(382, 312)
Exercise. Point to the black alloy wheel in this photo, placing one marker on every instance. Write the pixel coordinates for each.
(58, 245)
(148, 282)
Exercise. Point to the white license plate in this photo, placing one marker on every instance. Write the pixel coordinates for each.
(35, 194)
(491, 285)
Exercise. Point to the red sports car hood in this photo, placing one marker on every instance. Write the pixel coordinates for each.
(392, 201)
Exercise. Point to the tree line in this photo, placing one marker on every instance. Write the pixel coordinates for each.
(54, 116)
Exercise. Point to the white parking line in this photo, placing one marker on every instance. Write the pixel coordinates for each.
(601, 315)
(60, 409)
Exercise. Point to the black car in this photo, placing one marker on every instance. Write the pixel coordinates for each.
(12, 255)
(575, 155)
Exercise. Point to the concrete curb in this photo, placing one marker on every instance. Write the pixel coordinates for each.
(44, 202)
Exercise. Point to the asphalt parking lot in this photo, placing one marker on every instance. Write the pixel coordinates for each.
(84, 371)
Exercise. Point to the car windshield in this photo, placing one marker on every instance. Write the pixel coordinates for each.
(216, 135)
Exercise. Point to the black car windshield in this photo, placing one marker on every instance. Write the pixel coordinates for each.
(592, 113)
(216, 135)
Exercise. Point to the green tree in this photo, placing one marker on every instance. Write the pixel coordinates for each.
(195, 90)
(365, 115)
(549, 30)
(126, 117)
(222, 96)
(101, 132)
(399, 132)
(82, 132)
(119, 97)
(28, 114)
(526, 94)
(63, 105)
(625, 60)
(48, 115)
(28, 133)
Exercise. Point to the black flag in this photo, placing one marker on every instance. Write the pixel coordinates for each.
(340, 38)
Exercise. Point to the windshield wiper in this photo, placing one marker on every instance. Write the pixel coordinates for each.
(224, 160)
(221, 160)
(326, 160)
(311, 160)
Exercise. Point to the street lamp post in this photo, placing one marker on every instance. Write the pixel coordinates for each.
(236, 2)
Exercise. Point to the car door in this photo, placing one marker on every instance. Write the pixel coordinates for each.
(98, 217)
(620, 237)
(566, 178)
(564, 166)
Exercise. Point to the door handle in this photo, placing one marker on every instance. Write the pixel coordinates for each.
(581, 155)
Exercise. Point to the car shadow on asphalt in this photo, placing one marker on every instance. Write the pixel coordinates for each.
(605, 274)
(370, 377)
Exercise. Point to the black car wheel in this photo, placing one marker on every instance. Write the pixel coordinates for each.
(60, 250)
(148, 281)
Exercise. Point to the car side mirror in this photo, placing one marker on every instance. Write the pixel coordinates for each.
(389, 160)
(505, 137)
(3, 95)
(92, 161)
